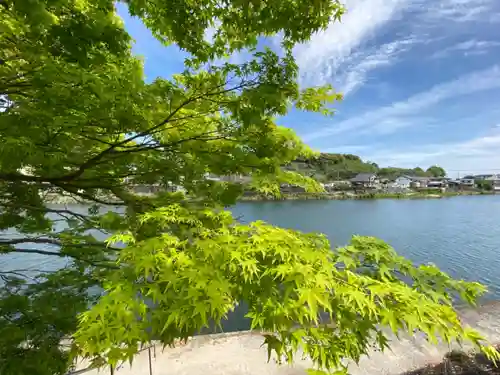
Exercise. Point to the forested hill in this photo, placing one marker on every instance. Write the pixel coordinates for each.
(330, 167)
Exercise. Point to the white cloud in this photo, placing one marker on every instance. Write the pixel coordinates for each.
(475, 44)
(357, 73)
(468, 47)
(460, 10)
(477, 155)
(393, 124)
(327, 51)
(413, 106)
(347, 52)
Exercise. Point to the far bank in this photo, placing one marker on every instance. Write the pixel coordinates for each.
(360, 196)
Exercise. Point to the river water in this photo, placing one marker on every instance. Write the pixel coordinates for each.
(461, 235)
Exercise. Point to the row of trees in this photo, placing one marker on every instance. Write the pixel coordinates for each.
(432, 171)
(484, 185)
(331, 167)
(79, 119)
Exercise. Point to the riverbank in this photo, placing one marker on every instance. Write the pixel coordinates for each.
(66, 199)
(359, 196)
(242, 353)
(52, 198)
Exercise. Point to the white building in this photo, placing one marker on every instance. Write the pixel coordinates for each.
(402, 182)
(467, 182)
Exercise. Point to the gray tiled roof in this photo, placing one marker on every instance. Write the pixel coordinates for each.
(416, 178)
(363, 177)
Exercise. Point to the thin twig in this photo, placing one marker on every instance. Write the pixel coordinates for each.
(64, 255)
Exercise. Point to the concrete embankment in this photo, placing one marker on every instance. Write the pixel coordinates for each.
(241, 353)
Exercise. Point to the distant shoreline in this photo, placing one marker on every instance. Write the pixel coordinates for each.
(358, 196)
(63, 199)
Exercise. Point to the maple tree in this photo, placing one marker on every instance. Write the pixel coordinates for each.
(78, 119)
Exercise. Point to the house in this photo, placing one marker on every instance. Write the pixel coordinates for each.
(437, 183)
(495, 182)
(402, 182)
(486, 177)
(289, 188)
(392, 185)
(365, 180)
(212, 177)
(419, 182)
(386, 183)
(468, 181)
(336, 185)
(479, 180)
(493, 177)
(170, 187)
(145, 189)
(238, 178)
(455, 184)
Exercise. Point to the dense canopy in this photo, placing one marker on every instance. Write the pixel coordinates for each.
(78, 121)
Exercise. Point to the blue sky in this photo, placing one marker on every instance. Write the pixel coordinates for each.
(421, 80)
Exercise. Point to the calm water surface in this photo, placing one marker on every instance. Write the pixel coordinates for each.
(461, 235)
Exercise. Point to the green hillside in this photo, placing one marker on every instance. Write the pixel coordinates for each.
(332, 167)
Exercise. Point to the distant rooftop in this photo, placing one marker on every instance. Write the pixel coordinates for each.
(418, 178)
(363, 177)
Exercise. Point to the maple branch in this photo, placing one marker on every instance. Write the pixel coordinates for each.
(92, 161)
(63, 255)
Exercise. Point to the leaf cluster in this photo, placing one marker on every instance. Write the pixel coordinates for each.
(327, 305)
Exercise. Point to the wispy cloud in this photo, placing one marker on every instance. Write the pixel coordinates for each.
(467, 48)
(414, 105)
(320, 58)
(347, 53)
(479, 154)
(377, 35)
(393, 124)
(356, 74)
(460, 10)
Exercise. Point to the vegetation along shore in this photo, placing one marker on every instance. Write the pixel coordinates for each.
(360, 196)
